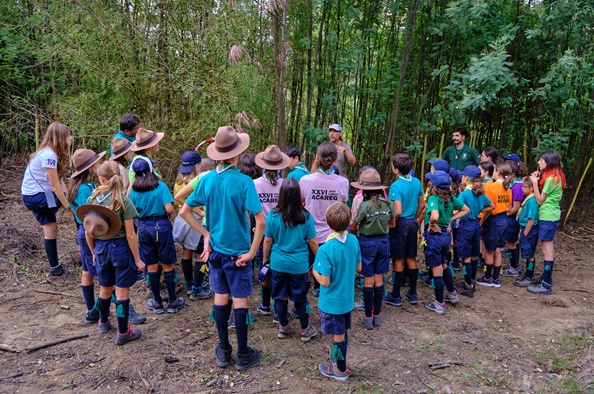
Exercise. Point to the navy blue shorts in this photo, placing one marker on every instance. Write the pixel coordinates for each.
(547, 229)
(114, 263)
(285, 285)
(437, 247)
(37, 204)
(403, 239)
(155, 240)
(335, 324)
(200, 247)
(227, 278)
(469, 238)
(528, 243)
(512, 234)
(85, 253)
(494, 229)
(375, 254)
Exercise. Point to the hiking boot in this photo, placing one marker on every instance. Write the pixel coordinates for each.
(543, 288)
(360, 305)
(412, 298)
(284, 331)
(331, 371)
(488, 282)
(511, 271)
(231, 322)
(308, 333)
(263, 309)
(435, 306)
(496, 283)
(452, 298)
(464, 289)
(222, 356)
(390, 300)
(367, 322)
(377, 320)
(523, 281)
(176, 305)
(200, 293)
(59, 270)
(244, 361)
(131, 335)
(92, 316)
(155, 306)
(134, 317)
(104, 327)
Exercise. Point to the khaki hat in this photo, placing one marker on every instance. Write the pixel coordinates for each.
(369, 180)
(146, 139)
(119, 147)
(99, 221)
(272, 159)
(228, 143)
(83, 159)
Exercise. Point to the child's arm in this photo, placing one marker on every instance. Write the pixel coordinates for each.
(461, 213)
(514, 208)
(182, 196)
(91, 243)
(528, 227)
(54, 179)
(359, 266)
(186, 214)
(433, 221)
(169, 209)
(266, 250)
(323, 280)
(421, 205)
(313, 245)
(398, 208)
(540, 197)
(133, 243)
(488, 209)
(354, 226)
(249, 256)
(392, 222)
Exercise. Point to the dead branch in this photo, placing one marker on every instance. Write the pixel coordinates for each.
(53, 343)
(16, 375)
(8, 348)
(56, 293)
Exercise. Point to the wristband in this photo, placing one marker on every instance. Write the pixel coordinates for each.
(68, 208)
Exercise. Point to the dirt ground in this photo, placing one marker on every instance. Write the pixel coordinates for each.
(502, 341)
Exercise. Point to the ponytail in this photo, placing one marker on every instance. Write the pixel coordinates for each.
(111, 172)
(477, 186)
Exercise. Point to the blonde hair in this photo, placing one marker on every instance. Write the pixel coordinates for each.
(338, 216)
(56, 138)
(113, 183)
(184, 179)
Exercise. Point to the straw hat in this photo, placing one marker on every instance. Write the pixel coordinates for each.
(99, 221)
(272, 159)
(119, 147)
(146, 139)
(228, 143)
(369, 180)
(83, 159)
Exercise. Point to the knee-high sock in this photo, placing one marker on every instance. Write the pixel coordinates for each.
(221, 317)
(368, 300)
(378, 295)
(241, 329)
(51, 251)
(439, 286)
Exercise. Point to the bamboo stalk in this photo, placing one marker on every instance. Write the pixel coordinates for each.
(36, 130)
(440, 145)
(577, 191)
(420, 176)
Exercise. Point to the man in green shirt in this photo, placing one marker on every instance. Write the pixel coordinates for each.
(461, 155)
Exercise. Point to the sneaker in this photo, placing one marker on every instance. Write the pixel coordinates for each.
(542, 288)
(200, 293)
(264, 310)
(104, 327)
(59, 270)
(331, 371)
(391, 279)
(308, 333)
(244, 361)
(360, 305)
(436, 307)
(359, 282)
(377, 320)
(155, 306)
(452, 298)
(537, 281)
(506, 267)
(455, 265)
(231, 322)
(131, 335)
(511, 271)
(488, 282)
(496, 283)
(176, 305)
(92, 316)
(412, 298)
(315, 292)
(464, 289)
(189, 288)
(134, 317)
(222, 356)
(523, 281)
(390, 300)
(275, 318)
(367, 322)
(284, 331)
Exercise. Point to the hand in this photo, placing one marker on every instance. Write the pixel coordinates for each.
(525, 234)
(340, 149)
(94, 257)
(435, 228)
(140, 265)
(207, 249)
(244, 259)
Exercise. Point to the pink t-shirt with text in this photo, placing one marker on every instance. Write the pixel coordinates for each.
(268, 193)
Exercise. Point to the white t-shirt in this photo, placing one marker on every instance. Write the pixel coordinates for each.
(268, 193)
(320, 191)
(35, 179)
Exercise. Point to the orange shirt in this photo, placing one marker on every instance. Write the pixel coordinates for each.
(499, 196)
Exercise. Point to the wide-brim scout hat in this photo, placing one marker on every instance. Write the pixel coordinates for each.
(228, 144)
(120, 146)
(99, 221)
(146, 139)
(273, 158)
(369, 180)
(83, 159)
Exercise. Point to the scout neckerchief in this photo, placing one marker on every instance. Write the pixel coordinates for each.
(301, 167)
(329, 172)
(524, 203)
(487, 179)
(515, 181)
(341, 236)
(269, 180)
(406, 177)
(222, 167)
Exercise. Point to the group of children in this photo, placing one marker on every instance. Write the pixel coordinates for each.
(236, 213)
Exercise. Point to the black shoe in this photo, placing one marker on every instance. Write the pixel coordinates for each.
(222, 356)
(58, 270)
(244, 361)
(92, 316)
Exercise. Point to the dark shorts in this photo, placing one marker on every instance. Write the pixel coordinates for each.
(200, 247)
(227, 278)
(155, 240)
(403, 239)
(437, 247)
(494, 229)
(512, 233)
(528, 243)
(285, 285)
(85, 253)
(37, 204)
(114, 263)
(469, 238)
(547, 230)
(312, 256)
(375, 254)
(335, 324)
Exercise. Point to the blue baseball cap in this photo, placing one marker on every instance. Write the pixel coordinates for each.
(189, 161)
(472, 172)
(439, 178)
(513, 156)
(455, 175)
(440, 165)
(142, 165)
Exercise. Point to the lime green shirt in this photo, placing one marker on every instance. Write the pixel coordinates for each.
(550, 209)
